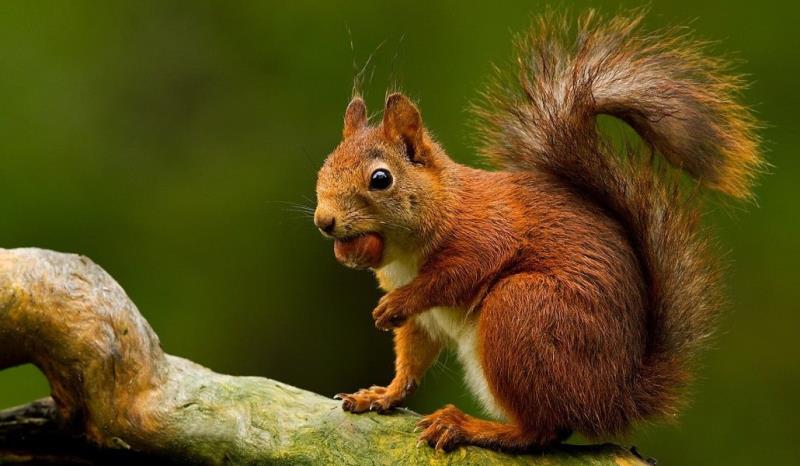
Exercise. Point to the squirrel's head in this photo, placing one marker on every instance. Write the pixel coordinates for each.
(377, 189)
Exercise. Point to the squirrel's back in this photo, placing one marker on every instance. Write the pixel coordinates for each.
(683, 103)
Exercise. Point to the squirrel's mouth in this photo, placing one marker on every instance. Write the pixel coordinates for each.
(360, 251)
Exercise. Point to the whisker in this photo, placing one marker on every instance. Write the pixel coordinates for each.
(299, 208)
(305, 211)
(292, 204)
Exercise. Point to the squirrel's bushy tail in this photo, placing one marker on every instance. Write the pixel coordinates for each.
(683, 105)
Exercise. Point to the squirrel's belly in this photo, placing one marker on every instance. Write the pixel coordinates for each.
(455, 327)
(460, 330)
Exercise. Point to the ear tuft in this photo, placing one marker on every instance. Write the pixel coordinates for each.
(402, 123)
(355, 117)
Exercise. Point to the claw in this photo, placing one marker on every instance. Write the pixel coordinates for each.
(410, 386)
(338, 396)
(396, 321)
(441, 444)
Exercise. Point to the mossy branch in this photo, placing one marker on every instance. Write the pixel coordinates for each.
(116, 397)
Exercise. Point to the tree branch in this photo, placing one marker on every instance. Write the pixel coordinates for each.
(117, 398)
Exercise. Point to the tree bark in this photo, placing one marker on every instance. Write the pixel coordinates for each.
(118, 398)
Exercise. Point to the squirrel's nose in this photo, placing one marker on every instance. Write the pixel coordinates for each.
(325, 222)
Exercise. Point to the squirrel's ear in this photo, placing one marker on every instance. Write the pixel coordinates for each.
(355, 117)
(402, 122)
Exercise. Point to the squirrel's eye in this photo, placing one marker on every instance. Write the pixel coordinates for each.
(380, 179)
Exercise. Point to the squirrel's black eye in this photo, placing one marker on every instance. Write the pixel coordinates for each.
(380, 179)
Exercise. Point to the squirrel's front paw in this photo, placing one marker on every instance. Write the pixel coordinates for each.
(391, 311)
(380, 399)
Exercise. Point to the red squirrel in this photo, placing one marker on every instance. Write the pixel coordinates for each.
(574, 283)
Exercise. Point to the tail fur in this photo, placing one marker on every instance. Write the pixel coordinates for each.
(684, 106)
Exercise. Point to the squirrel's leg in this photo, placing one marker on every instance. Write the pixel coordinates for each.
(415, 351)
(555, 359)
(449, 427)
(538, 358)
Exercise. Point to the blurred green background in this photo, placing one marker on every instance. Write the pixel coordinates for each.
(164, 139)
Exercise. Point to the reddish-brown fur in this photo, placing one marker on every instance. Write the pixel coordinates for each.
(585, 277)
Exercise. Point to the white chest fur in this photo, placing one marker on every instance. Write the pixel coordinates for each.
(453, 327)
